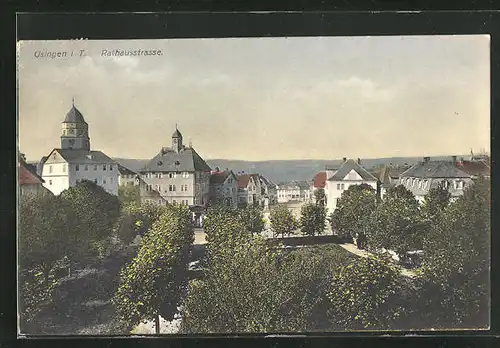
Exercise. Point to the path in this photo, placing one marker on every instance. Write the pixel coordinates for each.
(363, 253)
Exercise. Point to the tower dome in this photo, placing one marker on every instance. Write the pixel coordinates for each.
(74, 116)
(75, 132)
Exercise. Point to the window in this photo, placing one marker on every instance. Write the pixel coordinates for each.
(86, 167)
(171, 188)
(460, 185)
(104, 167)
(420, 184)
(103, 181)
(185, 174)
(50, 182)
(50, 170)
(110, 167)
(77, 167)
(341, 186)
(95, 180)
(446, 184)
(157, 187)
(160, 175)
(170, 175)
(95, 167)
(71, 131)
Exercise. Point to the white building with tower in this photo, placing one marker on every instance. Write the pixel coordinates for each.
(75, 161)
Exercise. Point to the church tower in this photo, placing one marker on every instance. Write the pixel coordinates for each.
(177, 140)
(75, 131)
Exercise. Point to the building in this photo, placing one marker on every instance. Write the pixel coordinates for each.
(249, 189)
(425, 175)
(475, 167)
(75, 161)
(177, 174)
(224, 187)
(269, 192)
(318, 183)
(127, 177)
(349, 173)
(389, 177)
(294, 191)
(30, 183)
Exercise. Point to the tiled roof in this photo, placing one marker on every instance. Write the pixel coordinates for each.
(389, 174)
(74, 115)
(435, 169)
(27, 175)
(219, 177)
(475, 168)
(319, 180)
(243, 180)
(346, 168)
(84, 156)
(168, 160)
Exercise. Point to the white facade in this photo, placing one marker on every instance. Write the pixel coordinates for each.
(335, 188)
(251, 193)
(60, 175)
(293, 192)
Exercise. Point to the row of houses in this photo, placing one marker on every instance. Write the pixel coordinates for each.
(420, 178)
(176, 174)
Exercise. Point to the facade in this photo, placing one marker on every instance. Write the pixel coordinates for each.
(349, 173)
(425, 175)
(224, 187)
(177, 174)
(249, 189)
(30, 183)
(127, 177)
(269, 192)
(294, 191)
(75, 162)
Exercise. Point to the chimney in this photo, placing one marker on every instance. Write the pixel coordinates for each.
(344, 159)
(359, 161)
(426, 159)
(216, 169)
(454, 159)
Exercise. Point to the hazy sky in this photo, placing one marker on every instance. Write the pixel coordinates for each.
(263, 98)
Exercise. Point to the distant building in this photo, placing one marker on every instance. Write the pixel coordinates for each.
(294, 191)
(127, 177)
(318, 183)
(224, 187)
(30, 183)
(249, 189)
(389, 177)
(475, 167)
(269, 192)
(425, 175)
(74, 161)
(349, 173)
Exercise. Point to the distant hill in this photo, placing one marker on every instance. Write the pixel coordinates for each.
(287, 170)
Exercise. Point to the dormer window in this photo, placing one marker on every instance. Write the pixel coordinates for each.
(177, 163)
(160, 163)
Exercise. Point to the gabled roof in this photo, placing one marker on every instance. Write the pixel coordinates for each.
(346, 168)
(389, 173)
(435, 169)
(475, 168)
(168, 160)
(243, 180)
(74, 116)
(319, 180)
(83, 156)
(28, 175)
(219, 177)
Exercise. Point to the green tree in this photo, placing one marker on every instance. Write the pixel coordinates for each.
(282, 221)
(258, 288)
(129, 194)
(312, 219)
(454, 283)
(396, 224)
(319, 196)
(136, 219)
(253, 218)
(363, 295)
(153, 283)
(45, 237)
(436, 201)
(97, 212)
(354, 208)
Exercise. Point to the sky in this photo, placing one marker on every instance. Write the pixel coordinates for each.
(262, 98)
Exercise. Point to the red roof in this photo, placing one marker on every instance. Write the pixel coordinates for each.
(243, 180)
(26, 176)
(219, 177)
(474, 167)
(319, 180)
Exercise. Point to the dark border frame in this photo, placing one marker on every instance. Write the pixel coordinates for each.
(225, 24)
